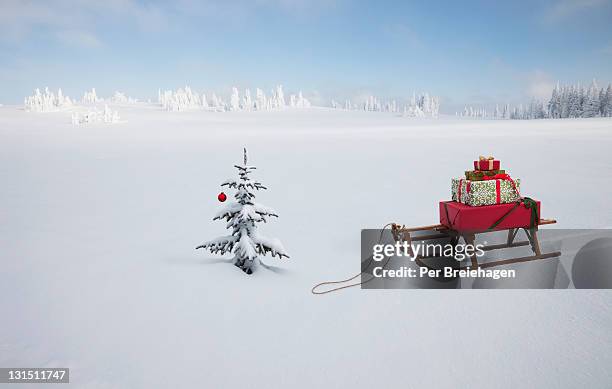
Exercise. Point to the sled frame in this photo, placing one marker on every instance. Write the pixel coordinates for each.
(404, 234)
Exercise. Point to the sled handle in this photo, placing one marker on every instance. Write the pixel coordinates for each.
(547, 221)
(422, 228)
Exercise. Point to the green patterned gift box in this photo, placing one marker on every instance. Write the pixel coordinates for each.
(488, 192)
(479, 175)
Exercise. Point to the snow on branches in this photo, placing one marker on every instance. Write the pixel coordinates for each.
(418, 106)
(241, 217)
(121, 98)
(179, 100)
(90, 97)
(298, 101)
(95, 116)
(47, 101)
(566, 101)
(185, 99)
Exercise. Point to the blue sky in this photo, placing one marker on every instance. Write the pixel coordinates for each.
(466, 52)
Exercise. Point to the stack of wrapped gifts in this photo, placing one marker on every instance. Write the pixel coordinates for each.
(487, 199)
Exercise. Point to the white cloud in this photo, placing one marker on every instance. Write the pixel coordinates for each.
(20, 19)
(529, 82)
(565, 8)
(79, 38)
(298, 5)
(74, 22)
(539, 84)
(607, 50)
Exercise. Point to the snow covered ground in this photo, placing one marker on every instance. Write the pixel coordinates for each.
(99, 272)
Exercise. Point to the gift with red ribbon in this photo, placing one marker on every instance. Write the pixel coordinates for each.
(497, 189)
(486, 163)
(478, 175)
(505, 177)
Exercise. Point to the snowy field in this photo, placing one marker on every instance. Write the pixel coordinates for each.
(99, 273)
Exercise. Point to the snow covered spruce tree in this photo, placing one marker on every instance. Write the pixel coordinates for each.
(242, 217)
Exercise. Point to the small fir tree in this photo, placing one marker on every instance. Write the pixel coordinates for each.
(242, 217)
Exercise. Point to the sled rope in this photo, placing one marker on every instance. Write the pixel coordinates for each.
(314, 291)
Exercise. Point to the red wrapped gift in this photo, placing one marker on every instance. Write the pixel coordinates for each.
(466, 218)
(486, 163)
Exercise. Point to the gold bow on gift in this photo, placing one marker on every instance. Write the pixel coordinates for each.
(483, 158)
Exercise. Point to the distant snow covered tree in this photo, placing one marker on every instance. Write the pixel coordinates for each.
(110, 116)
(106, 116)
(590, 105)
(217, 103)
(279, 97)
(607, 102)
(425, 104)
(602, 102)
(47, 101)
(121, 98)
(260, 100)
(566, 101)
(247, 103)
(90, 97)
(179, 100)
(574, 102)
(418, 106)
(235, 100)
(554, 105)
(60, 97)
(301, 101)
(183, 99)
(435, 106)
(413, 111)
(242, 217)
(506, 113)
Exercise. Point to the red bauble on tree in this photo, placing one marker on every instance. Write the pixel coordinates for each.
(222, 197)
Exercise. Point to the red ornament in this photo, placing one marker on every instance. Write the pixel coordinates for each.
(222, 197)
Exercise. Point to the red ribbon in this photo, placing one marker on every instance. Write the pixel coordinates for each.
(498, 177)
(467, 188)
(478, 165)
(497, 191)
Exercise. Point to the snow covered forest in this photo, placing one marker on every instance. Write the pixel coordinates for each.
(182, 99)
(91, 97)
(419, 106)
(566, 101)
(47, 101)
(185, 98)
(106, 116)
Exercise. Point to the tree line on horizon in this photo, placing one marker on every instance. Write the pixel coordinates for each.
(566, 101)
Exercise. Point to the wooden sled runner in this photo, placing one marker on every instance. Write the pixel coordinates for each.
(409, 235)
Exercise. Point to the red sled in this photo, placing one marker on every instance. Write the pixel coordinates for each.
(465, 218)
(460, 221)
